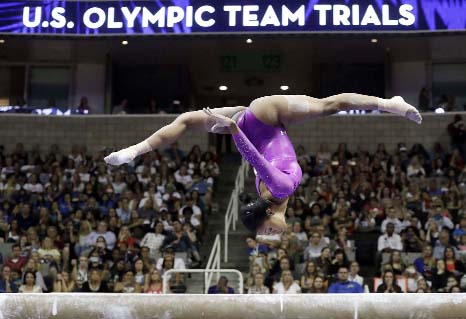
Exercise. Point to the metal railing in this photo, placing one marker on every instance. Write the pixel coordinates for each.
(213, 262)
(231, 216)
(213, 266)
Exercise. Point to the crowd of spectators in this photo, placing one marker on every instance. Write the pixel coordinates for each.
(409, 202)
(71, 223)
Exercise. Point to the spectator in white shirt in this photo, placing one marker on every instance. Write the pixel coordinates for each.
(182, 176)
(354, 273)
(314, 249)
(391, 218)
(119, 186)
(415, 169)
(286, 284)
(178, 264)
(33, 185)
(389, 241)
(438, 216)
(154, 240)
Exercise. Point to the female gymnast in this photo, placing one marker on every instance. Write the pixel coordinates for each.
(259, 132)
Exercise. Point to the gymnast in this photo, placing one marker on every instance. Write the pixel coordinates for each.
(259, 132)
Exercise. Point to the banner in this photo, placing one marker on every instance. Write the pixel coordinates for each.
(153, 17)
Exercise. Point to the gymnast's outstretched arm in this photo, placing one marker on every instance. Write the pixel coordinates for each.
(294, 109)
(189, 121)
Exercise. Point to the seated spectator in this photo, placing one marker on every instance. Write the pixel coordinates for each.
(422, 284)
(221, 287)
(95, 282)
(255, 269)
(324, 262)
(307, 278)
(116, 273)
(153, 283)
(124, 211)
(169, 257)
(340, 260)
(128, 284)
(314, 249)
(80, 272)
(283, 264)
(412, 277)
(286, 284)
(415, 168)
(124, 236)
(341, 240)
(389, 284)
(154, 240)
(452, 264)
(254, 248)
(396, 263)
(6, 282)
(33, 265)
(258, 286)
(140, 272)
(440, 276)
(29, 283)
(64, 283)
(442, 242)
(16, 261)
(299, 234)
(393, 219)
(49, 252)
(354, 273)
(343, 285)
(109, 236)
(425, 263)
(318, 286)
(412, 242)
(365, 222)
(389, 240)
(440, 217)
(177, 239)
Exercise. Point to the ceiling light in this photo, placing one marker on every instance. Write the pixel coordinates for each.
(284, 87)
(223, 87)
(374, 40)
(124, 42)
(2, 41)
(249, 41)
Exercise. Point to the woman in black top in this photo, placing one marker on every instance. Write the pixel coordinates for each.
(95, 283)
(389, 285)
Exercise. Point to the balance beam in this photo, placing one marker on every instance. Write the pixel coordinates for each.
(305, 306)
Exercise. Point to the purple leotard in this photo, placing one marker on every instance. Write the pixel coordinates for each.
(269, 150)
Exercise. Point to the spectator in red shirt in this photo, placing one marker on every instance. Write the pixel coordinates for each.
(16, 261)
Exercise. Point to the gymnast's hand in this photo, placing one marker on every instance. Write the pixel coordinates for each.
(221, 121)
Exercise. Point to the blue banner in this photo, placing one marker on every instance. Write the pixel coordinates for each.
(153, 17)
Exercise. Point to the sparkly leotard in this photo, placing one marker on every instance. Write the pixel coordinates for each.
(269, 150)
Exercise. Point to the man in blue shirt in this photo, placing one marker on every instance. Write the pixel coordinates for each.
(221, 287)
(343, 285)
(6, 283)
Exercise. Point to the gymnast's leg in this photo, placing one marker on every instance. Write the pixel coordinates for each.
(168, 134)
(295, 109)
